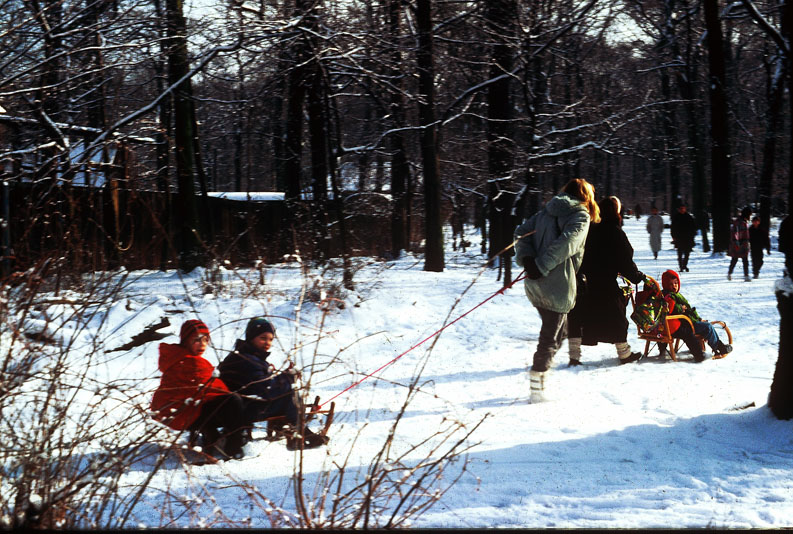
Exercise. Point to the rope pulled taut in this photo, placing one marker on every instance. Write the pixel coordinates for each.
(501, 291)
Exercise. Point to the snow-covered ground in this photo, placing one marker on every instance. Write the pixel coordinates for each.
(646, 445)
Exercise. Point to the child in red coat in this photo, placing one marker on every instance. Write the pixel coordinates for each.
(680, 328)
(192, 397)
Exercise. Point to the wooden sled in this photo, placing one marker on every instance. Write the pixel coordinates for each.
(661, 333)
(278, 427)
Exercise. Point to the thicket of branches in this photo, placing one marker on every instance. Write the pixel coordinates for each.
(80, 450)
(480, 108)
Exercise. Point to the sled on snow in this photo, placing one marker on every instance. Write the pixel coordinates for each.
(278, 427)
(652, 321)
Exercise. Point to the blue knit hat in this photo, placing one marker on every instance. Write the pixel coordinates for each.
(258, 326)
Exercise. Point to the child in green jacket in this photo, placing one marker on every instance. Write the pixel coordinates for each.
(678, 305)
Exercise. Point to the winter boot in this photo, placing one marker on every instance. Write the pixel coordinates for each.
(574, 350)
(632, 357)
(624, 353)
(234, 443)
(212, 443)
(722, 349)
(537, 381)
(699, 356)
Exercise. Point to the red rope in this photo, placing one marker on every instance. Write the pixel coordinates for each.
(499, 292)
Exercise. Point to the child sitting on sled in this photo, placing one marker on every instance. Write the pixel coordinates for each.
(191, 396)
(678, 305)
(268, 395)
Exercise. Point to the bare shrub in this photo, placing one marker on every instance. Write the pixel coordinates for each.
(72, 431)
(68, 438)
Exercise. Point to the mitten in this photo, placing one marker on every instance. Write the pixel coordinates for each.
(291, 373)
(531, 268)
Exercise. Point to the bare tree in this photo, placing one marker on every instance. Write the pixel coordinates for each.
(433, 231)
(719, 129)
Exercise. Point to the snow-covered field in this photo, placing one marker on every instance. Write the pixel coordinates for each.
(646, 445)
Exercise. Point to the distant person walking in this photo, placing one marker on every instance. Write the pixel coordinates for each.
(655, 227)
(550, 247)
(683, 229)
(758, 240)
(739, 243)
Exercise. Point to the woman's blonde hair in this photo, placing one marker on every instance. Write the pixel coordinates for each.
(585, 192)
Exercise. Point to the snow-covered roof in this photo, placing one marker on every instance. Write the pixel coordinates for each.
(97, 155)
(258, 196)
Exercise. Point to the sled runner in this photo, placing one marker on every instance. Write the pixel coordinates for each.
(652, 321)
(186, 454)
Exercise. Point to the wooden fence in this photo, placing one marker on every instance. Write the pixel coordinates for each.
(90, 229)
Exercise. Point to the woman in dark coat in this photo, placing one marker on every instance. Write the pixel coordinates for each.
(599, 313)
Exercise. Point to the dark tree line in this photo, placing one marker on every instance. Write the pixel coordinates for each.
(486, 106)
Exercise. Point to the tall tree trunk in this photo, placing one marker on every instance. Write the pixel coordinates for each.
(330, 110)
(319, 163)
(670, 141)
(163, 148)
(190, 255)
(776, 99)
(500, 16)
(400, 170)
(433, 231)
(719, 129)
(780, 399)
(693, 117)
(295, 96)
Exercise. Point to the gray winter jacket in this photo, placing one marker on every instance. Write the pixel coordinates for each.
(557, 244)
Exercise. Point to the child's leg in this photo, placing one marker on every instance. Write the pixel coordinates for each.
(225, 411)
(706, 330)
(685, 333)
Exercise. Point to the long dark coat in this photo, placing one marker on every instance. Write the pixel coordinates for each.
(601, 310)
(683, 230)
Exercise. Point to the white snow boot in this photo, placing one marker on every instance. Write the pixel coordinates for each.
(537, 382)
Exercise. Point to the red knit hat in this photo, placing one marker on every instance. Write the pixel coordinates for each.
(192, 327)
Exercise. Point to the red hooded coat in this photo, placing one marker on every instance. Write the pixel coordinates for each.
(184, 376)
(675, 302)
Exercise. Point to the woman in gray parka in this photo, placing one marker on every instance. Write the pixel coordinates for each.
(550, 247)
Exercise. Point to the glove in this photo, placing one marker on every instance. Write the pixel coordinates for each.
(291, 373)
(531, 268)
